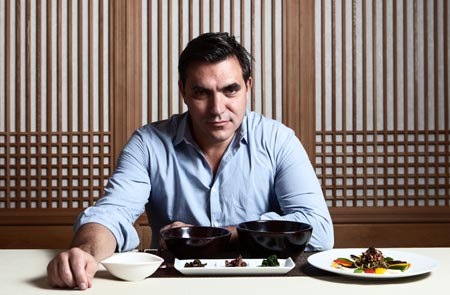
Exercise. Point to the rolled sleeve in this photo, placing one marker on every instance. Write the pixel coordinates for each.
(122, 229)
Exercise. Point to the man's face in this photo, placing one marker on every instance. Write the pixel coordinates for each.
(216, 97)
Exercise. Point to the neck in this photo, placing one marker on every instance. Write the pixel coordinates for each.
(214, 153)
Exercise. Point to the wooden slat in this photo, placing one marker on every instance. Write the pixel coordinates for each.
(91, 93)
(291, 62)
(134, 69)
(307, 107)
(211, 16)
(436, 52)
(396, 99)
(180, 42)
(375, 93)
(169, 60)
(80, 65)
(333, 81)
(406, 94)
(201, 18)
(232, 18)
(222, 17)
(38, 110)
(243, 14)
(150, 55)
(416, 89)
(18, 77)
(70, 44)
(59, 109)
(446, 95)
(344, 100)
(191, 19)
(426, 97)
(263, 58)
(8, 99)
(252, 50)
(160, 58)
(354, 126)
(101, 95)
(274, 60)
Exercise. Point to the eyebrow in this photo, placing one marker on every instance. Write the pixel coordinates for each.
(232, 86)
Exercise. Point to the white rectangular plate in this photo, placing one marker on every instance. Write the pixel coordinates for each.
(217, 267)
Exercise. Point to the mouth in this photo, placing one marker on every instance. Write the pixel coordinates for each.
(217, 123)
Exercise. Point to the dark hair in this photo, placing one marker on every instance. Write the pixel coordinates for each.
(212, 48)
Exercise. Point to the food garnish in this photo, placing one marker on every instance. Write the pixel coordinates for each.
(270, 261)
(238, 262)
(371, 261)
(195, 263)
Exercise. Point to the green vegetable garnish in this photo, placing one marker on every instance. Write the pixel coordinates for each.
(270, 261)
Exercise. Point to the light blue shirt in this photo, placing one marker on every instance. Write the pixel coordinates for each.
(265, 173)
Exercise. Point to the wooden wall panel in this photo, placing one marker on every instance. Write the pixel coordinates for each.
(356, 80)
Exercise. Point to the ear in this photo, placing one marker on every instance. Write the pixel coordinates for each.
(249, 83)
(181, 89)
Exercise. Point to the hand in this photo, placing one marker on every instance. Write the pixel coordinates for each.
(234, 239)
(162, 244)
(71, 269)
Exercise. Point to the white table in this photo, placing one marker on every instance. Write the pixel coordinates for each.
(24, 272)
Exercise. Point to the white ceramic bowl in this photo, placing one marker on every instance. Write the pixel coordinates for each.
(132, 266)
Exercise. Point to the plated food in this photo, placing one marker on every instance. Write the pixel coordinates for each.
(195, 263)
(370, 261)
(418, 264)
(238, 262)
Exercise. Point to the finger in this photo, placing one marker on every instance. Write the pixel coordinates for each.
(65, 273)
(53, 277)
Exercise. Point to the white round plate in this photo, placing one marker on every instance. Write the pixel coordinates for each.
(419, 264)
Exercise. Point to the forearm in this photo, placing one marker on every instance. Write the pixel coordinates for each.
(96, 240)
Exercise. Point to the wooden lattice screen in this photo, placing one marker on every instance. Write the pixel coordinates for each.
(55, 139)
(383, 112)
(78, 76)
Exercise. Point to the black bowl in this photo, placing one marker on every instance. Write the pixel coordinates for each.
(262, 238)
(191, 242)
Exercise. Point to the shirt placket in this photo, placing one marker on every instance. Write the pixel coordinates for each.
(215, 202)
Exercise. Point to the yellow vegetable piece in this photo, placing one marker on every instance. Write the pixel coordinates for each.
(380, 270)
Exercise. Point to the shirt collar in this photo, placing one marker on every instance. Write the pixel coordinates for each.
(183, 132)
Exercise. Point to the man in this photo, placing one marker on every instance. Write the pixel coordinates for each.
(215, 165)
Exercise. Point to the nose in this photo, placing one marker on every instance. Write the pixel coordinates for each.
(217, 103)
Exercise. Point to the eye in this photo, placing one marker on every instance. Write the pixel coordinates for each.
(232, 89)
(199, 92)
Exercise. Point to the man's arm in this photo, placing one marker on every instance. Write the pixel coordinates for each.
(300, 195)
(77, 266)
